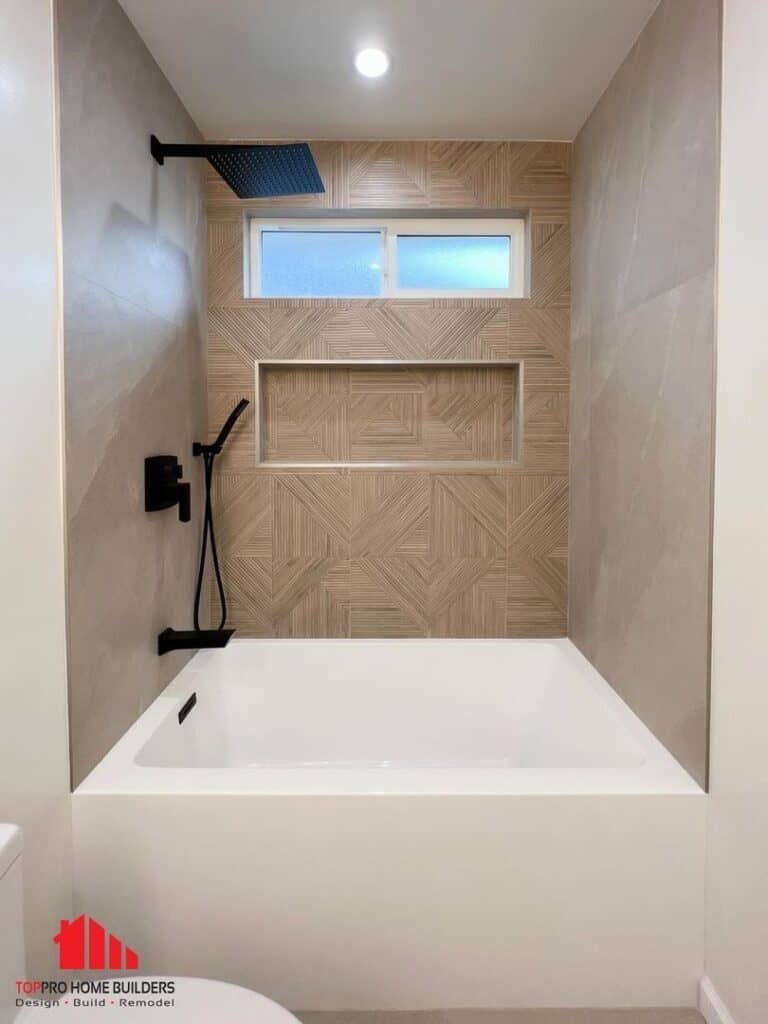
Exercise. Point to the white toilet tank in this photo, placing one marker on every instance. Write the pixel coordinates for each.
(11, 920)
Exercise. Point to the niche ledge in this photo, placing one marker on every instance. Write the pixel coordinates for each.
(388, 413)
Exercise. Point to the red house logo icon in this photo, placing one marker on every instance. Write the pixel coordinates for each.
(104, 950)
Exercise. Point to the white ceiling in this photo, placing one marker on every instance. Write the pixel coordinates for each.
(461, 69)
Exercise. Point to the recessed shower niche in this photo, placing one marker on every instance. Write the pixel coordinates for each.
(387, 413)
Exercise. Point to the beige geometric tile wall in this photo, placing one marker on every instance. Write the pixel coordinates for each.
(409, 551)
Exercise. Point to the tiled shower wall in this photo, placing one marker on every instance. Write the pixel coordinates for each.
(644, 217)
(400, 552)
(134, 278)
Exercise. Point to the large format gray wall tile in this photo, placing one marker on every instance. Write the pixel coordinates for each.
(134, 265)
(644, 213)
(645, 181)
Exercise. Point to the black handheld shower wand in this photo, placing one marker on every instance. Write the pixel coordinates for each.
(218, 444)
(209, 453)
(173, 639)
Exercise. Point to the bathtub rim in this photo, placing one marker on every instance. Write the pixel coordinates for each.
(118, 771)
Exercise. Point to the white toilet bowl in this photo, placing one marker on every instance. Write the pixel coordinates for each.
(194, 1000)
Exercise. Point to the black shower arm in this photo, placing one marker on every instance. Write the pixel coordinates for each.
(160, 150)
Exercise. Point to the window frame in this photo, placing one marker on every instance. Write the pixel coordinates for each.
(391, 227)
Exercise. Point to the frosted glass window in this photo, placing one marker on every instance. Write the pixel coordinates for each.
(459, 262)
(384, 257)
(320, 263)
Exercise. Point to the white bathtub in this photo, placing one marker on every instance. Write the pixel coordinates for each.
(400, 825)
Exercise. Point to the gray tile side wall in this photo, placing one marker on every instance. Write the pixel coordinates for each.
(644, 213)
(134, 288)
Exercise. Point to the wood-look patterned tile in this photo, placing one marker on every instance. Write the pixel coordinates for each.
(388, 596)
(239, 455)
(425, 548)
(537, 554)
(248, 590)
(468, 516)
(305, 414)
(242, 504)
(311, 515)
(551, 265)
(390, 514)
(237, 338)
(467, 597)
(310, 597)
(387, 174)
(225, 262)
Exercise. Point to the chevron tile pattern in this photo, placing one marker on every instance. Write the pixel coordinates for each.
(413, 551)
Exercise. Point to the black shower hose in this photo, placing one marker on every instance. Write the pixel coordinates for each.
(208, 458)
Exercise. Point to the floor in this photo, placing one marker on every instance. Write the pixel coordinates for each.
(636, 1016)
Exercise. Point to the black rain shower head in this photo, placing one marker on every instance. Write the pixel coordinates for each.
(253, 172)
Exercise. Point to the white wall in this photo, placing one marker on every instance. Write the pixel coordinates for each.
(738, 839)
(34, 774)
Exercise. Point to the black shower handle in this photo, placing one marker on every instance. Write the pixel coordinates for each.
(185, 503)
(163, 487)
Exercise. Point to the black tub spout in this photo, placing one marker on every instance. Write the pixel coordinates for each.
(192, 639)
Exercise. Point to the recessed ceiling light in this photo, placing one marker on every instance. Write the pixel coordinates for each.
(372, 63)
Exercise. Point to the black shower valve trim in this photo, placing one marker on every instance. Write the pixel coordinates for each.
(163, 486)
